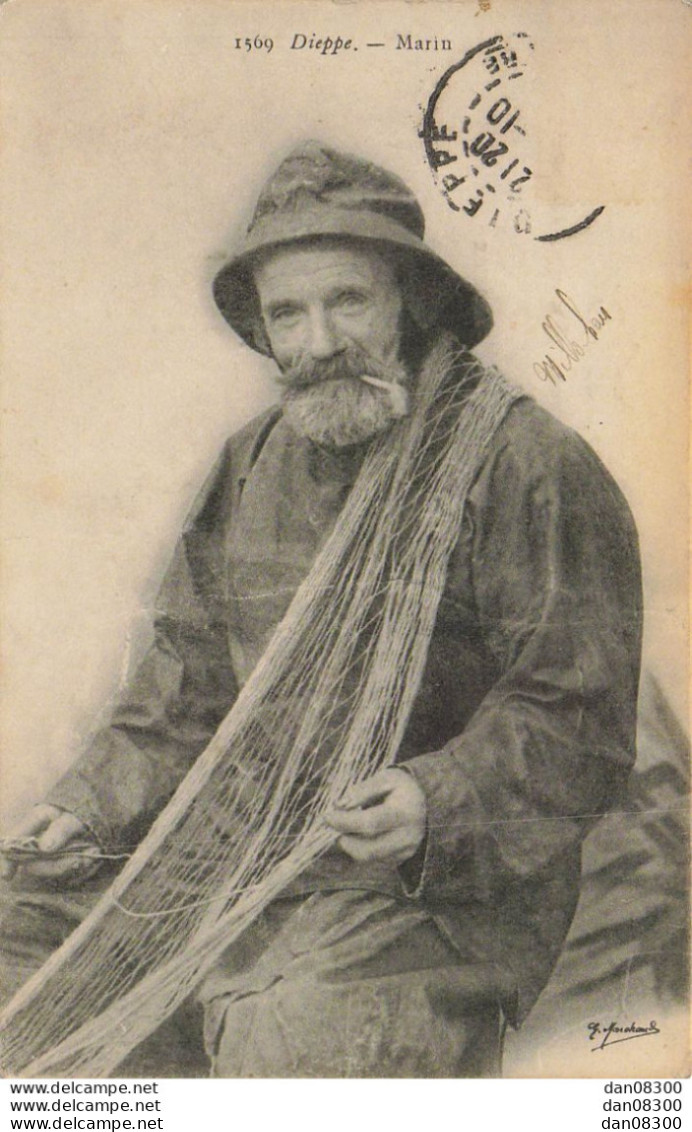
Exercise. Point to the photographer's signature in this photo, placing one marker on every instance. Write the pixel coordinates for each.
(570, 337)
(612, 1033)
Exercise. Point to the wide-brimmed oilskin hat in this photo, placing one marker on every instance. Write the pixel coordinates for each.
(318, 194)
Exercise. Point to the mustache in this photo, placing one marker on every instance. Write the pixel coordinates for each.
(353, 362)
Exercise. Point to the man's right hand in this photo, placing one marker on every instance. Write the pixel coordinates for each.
(54, 830)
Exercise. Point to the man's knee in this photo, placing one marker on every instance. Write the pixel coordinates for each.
(410, 1025)
(36, 917)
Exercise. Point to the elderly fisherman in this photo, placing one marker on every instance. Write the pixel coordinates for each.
(443, 905)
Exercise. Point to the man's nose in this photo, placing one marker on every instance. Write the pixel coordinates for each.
(323, 338)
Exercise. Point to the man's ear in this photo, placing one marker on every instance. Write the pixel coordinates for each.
(260, 336)
(253, 315)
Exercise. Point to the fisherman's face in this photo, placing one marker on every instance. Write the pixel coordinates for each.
(332, 315)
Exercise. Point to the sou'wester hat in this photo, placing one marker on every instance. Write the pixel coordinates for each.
(319, 193)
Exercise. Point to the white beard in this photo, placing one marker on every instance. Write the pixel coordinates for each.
(341, 412)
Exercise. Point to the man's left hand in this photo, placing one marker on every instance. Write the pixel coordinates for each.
(382, 818)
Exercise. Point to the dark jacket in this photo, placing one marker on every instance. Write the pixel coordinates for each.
(523, 730)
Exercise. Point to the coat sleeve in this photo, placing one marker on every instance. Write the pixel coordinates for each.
(557, 591)
(177, 697)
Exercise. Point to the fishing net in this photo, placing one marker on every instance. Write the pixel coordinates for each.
(326, 707)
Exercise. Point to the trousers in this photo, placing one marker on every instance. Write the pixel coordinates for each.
(350, 983)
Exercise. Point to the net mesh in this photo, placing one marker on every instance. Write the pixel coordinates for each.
(326, 706)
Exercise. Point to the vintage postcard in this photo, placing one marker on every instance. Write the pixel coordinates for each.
(344, 538)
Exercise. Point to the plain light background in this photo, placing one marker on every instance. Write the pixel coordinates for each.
(135, 139)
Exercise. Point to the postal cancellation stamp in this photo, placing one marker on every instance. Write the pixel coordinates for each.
(475, 135)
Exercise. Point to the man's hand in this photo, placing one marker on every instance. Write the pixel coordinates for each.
(54, 830)
(382, 818)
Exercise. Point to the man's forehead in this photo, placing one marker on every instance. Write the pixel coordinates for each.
(317, 264)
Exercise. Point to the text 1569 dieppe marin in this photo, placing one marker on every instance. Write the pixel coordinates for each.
(331, 45)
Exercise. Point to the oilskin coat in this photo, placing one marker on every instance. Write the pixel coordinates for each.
(523, 730)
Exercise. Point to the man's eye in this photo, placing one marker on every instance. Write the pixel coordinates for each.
(284, 316)
(352, 300)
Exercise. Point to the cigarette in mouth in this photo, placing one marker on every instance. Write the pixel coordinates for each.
(395, 391)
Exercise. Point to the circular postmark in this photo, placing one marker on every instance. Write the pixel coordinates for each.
(475, 137)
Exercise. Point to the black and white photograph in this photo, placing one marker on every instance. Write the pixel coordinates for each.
(344, 540)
